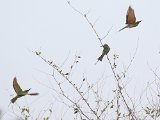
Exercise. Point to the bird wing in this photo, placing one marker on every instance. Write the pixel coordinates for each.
(130, 17)
(16, 86)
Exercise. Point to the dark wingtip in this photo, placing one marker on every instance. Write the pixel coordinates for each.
(15, 78)
(130, 7)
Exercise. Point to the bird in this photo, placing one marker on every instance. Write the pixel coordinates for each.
(19, 91)
(105, 51)
(130, 19)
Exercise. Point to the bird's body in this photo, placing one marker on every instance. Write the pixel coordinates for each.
(19, 91)
(19, 94)
(105, 51)
(130, 19)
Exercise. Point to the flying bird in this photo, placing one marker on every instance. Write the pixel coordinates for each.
(105, 51)
(19, 91)
(130, 19)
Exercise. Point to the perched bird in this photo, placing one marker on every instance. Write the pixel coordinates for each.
(130, 19)
(106, 49)
(19, 91)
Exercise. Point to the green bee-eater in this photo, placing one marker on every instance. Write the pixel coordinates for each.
(130, 19)
(19, 91)
(106, 49)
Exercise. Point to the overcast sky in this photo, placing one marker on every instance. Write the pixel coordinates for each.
(53, 27)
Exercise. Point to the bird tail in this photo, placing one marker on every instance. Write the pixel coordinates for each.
(123, 28)
(33, 94)
(101, 57)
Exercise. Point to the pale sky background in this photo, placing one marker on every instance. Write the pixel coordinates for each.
(59, 32)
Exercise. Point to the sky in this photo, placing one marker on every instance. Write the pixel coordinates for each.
(59, 32)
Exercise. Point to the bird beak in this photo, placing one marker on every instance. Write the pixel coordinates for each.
(140, 21)
(29, 89)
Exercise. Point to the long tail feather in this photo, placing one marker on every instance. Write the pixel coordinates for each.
(33, 94)
(123, 28)
(101, 57)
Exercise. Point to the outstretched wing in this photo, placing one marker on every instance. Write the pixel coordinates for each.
(130, 17)
(16, 86)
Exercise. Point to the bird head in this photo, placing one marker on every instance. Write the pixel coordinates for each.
(138, 22)
(135, 24)
(105, 45)
(27, 90)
